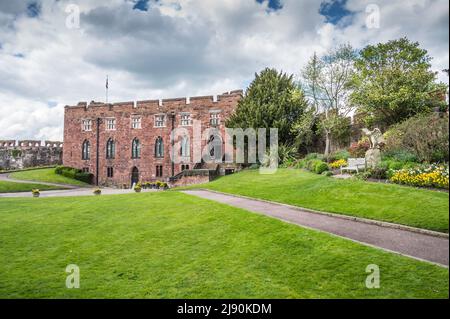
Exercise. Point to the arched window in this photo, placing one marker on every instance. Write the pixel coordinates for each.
(159, 147)
(136, 149)
(215, 147)
(86, 150)
(110, 149)
(184, 151)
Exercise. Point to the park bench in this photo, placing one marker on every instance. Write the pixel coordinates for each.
(354, 164)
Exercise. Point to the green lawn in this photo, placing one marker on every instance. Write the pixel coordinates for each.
(387, 202)
(11, 187)
(46, 175)
(171, 245)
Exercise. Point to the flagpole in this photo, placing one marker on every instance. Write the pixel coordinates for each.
(107, 85)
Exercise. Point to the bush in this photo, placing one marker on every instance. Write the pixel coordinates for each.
(359, 148)
(320, 168)
(327, 173)
(74, 173)
(339, 155)
(378, 172)
(425, 136)
(400, 155)
(312, 156)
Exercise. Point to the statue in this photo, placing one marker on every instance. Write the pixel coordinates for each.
(373, 154)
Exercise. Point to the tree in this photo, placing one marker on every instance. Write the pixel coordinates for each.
(326, 82)
(272, 101)
(393, 81)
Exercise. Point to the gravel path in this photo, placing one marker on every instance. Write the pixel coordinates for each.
(406, 242)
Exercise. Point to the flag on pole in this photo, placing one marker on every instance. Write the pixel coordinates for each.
(106, 82)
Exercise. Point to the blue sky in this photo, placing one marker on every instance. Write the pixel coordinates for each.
(154, 49)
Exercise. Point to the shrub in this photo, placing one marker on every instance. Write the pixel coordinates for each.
(359, 148)
(35, 192)
(327, 173)
(138, 188)
(425, 136)
(378, 172)
(97, 191)
(74, 173)
(312, 156)
(338, 164)
(320, 168)
(433, 175)
(400, 155)
(339, 155)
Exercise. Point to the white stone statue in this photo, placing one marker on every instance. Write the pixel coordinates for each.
(373, 154)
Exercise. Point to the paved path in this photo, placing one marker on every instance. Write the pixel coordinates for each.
(417, 245)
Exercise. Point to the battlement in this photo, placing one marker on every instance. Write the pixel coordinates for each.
(157, 105)
(29, 144)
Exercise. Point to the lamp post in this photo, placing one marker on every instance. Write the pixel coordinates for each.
(97, 151)
(172, 115)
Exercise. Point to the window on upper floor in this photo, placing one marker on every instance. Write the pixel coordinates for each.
(214, 118)
(160, 120)
(86, 125)
(136, 122)
(185, 119)
(110, 124)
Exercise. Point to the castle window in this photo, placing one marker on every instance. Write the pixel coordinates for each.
(86, 125)
(136, 149)
(185, 119)
(184, 151)
(214, 118)
(110, 149)
(86, 150)
(184, 167)
(159, 171)
(136, 122)
(159, 147)
(110, 172)
(110, 124)
(160, 120)
(85, 169)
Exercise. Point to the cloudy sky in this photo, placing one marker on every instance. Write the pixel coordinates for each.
(155, 49)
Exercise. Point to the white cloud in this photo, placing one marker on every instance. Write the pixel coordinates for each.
(177, 48)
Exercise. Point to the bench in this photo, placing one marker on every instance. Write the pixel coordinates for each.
(354, 164)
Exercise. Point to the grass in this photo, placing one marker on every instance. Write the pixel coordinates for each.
(11, 187)
(171, 245)
(386, 202)
(47, 175)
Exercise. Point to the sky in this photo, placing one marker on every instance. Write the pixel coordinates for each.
(50, 56)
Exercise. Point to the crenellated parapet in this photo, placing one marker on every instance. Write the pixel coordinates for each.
(26, 144)
(161, 104)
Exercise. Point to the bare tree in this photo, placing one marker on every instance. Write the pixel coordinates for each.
(325, 81)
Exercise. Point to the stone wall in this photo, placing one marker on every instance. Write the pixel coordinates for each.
(29, 153)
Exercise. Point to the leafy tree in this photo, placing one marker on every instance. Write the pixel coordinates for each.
(272, 101)
(393, 81)
(326, 82)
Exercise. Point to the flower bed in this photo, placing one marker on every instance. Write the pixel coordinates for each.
(433, 175)
(338, 164)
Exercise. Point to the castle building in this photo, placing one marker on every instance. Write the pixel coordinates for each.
(125, 143)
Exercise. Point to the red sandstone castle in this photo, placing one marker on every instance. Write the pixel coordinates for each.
(123, 143)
